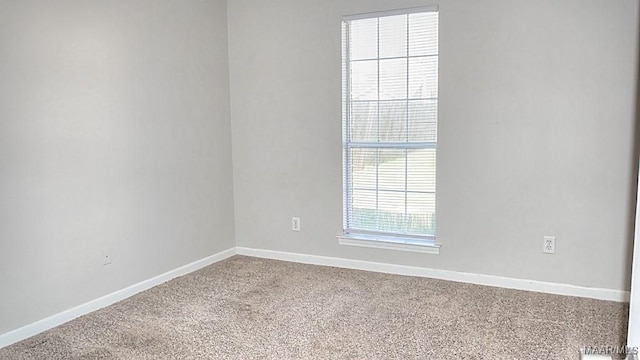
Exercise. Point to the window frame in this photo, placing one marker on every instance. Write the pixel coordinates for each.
(359, 237)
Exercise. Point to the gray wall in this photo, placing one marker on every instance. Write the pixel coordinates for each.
(537, 109)
(114, 134)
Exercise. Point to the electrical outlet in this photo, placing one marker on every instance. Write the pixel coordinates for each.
(295, 224)
(549, 245)
(106, 257)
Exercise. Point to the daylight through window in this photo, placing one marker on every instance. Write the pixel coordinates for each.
(390, 114)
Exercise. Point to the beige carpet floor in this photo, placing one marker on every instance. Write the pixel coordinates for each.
(249, 308)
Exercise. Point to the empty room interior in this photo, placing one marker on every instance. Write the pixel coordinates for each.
(247, 179)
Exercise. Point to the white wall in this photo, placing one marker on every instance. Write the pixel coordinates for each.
(114, 134)
(633, 334)
(537, 110)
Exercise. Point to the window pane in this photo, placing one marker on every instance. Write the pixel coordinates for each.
(364, 39)
(364, 80)
(363, 214)
(423, 34)
(393, 79)
(423, 117)
(364, 163)
(421, 170)
(391, 170)
(393, 120)
(393, 36)
(391, 211)
(364, 121)
(423, 77)
(421, 213)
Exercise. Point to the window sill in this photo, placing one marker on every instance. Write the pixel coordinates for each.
(372, 242)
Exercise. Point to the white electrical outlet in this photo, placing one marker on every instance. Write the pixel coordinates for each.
(295, 224)
(549, 245)
(106, 257)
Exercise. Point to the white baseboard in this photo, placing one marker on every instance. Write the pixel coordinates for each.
(68, 315)
(480, 279)
(489, 280)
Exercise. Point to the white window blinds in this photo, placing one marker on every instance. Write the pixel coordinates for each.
(390, 113)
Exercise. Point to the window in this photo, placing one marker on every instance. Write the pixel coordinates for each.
(390, 113)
